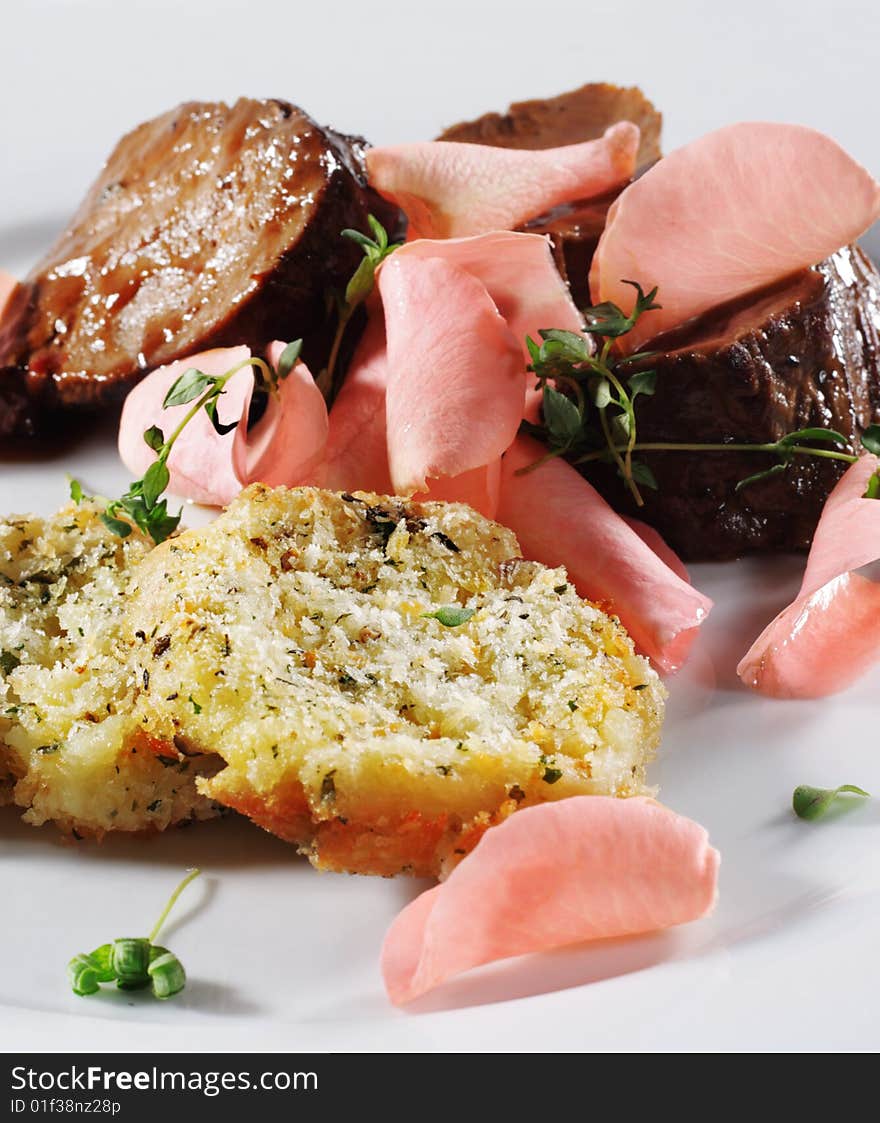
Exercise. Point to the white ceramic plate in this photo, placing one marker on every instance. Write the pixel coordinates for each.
(281, 957)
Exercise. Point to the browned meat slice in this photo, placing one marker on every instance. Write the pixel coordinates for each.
(209, 225)
(581, 114)
(804, 353)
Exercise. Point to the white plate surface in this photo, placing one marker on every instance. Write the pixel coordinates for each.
(283, 958)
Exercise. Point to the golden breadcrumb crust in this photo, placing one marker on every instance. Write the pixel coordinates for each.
(298, 639)
(63, 583)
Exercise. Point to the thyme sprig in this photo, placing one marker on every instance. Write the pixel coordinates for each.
(589, 394)
(142, 504)
(375, 250)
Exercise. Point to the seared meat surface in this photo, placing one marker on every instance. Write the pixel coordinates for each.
(209, 225)
(804, 353)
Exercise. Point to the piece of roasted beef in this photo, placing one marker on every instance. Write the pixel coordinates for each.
(209, 225)
(570, 118)
(804, 353)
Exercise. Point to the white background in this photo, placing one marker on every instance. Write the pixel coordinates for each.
(280, 957)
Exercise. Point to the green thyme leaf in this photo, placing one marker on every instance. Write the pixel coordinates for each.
(118, 527)
(813, 803)
(451, 616)
(155, 481)
(607, 319)
(197, 709)
(765, 474)
(187, 388)
(361, 284)
(871, 439)
(288, 358)
(76, 491)
(364, 241)
(826, 436)
(379, 232)
(561, 416)
(154, 438)
(643, 475)
(220, 428)
(644, 382)
(8, 662)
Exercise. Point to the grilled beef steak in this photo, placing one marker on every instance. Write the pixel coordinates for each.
(804, 353)
(210, 225)
(579, 115)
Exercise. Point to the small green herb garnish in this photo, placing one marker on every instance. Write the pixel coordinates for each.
(813, 803)
(376, 249)
(871, 443)
(141, 505)
(133, 963)
(589, 398)
(451, 616)
(8, 662)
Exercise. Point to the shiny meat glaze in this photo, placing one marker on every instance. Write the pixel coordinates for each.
(208, 225)
(805, 353)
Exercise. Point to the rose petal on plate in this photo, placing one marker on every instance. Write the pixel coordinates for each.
(828, 637)
(560, 519)
(201, 462)
(480, 488)
(455, 373)
(288, 441)
(729, 213)
(448, 189)
(657, 543)
(559, 873)
(356, 454)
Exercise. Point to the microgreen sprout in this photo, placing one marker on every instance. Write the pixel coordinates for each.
(813, 803)
(589, 394)
(133, 963)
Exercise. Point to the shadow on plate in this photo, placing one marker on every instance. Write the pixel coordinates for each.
(226, 843)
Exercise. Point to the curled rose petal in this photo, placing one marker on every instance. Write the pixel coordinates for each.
(449, 189)
(733, 211)
(519, 274)
(828, 637)
(560, 519)
(558, 873)
(356, 454)
(521, 277)
(455, 373)
(288, 441)
(201, 462)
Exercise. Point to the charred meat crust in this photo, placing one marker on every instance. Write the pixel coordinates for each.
(208, 226)
(803, 353)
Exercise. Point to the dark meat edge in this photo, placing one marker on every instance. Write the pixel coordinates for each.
(804, 352)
